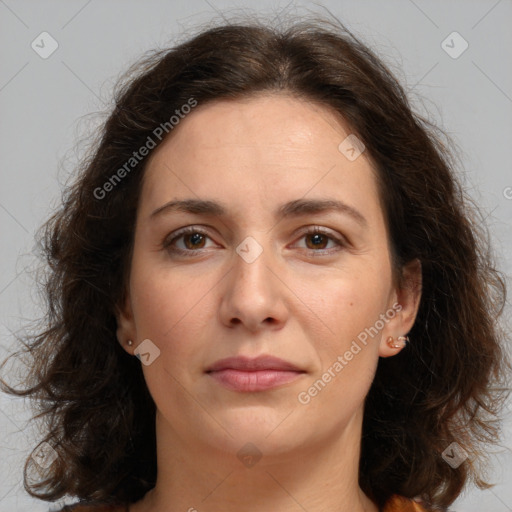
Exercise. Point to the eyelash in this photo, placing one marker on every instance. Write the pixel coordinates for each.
(168, 242)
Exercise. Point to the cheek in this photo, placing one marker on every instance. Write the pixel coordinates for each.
(348, 302)
(174, 322)
(166, 301)
(348, 352)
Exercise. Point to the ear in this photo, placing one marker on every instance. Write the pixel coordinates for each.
(126, 330)
(407, 295)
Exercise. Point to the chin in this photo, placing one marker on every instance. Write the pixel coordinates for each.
(266, 430)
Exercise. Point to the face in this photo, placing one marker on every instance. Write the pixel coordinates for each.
(275, 273)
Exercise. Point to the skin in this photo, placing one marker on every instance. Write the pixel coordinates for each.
(253, 155)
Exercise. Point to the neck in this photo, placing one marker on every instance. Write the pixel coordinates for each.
(197, 477)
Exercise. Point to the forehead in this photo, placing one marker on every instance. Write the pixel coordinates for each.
(269, 121)
(258, 149)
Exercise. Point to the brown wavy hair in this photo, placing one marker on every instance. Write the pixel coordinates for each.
(449, 385)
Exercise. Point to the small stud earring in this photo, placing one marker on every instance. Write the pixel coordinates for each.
(400, 343)
(130, 343)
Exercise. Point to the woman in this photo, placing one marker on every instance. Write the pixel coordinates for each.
(267, 292)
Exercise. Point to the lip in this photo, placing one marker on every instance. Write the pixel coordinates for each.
(253, 374)
(252, 364)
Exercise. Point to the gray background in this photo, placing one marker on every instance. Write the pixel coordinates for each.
(44, 103)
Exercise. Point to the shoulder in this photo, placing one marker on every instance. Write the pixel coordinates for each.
(400, 504)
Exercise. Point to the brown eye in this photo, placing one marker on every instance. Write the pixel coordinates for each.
(194, 239)
(318, 240)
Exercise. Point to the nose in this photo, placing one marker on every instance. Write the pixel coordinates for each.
(254, 294)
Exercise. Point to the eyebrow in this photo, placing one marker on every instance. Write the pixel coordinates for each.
(295, 208)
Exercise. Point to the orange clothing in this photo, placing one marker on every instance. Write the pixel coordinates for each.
(395, 504)
(400, 504)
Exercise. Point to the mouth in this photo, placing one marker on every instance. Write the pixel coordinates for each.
(258, 374)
